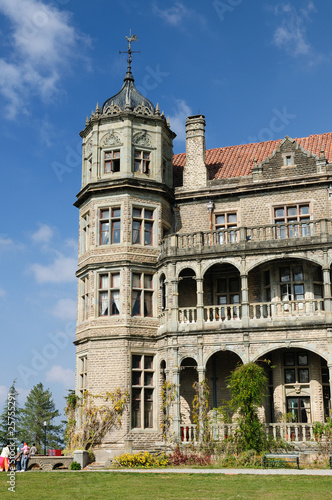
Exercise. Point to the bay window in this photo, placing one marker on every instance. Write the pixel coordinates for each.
(142, 294)
(142, 392)
(143, 220)
(112, 161)
(109, 294)
(141, 161)
(110, 226)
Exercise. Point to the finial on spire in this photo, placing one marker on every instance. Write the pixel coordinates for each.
(131, 38)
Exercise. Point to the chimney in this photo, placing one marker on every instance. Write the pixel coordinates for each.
(195, 173)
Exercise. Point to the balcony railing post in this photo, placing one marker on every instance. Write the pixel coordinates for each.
(323, 229)
(243, 234)
(200, 302)
(245, 300)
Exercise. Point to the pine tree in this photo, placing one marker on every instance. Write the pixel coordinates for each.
(39, 408)
(9, 418)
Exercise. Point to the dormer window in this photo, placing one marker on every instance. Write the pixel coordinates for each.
(141, 161)
(112, 161)
(288, 159)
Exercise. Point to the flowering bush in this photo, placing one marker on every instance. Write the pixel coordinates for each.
(191, 458)
(141, 459)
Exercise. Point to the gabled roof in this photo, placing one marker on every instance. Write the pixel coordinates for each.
(237, 161)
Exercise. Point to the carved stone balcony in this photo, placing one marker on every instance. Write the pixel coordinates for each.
(247, 238)
(259, 314)
(290, 432)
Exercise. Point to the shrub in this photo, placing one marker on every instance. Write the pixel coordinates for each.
(75, 466)
(179, 457)
(141, 459)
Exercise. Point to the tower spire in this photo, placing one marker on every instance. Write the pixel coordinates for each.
(131, 38)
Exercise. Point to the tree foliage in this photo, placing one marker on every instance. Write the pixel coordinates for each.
(10, 411)
(247, 384)
(95, 415)
(39, 408)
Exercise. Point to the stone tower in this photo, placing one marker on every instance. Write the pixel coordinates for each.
(125, 210)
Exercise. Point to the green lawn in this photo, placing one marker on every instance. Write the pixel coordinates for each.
(117, 486)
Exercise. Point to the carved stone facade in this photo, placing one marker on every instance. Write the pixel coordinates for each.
(183, 281)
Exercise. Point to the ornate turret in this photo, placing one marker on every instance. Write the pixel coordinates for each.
(128, 138)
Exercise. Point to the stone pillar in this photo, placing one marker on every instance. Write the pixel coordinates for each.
(200, 300)
(175, 301)
(327, 285)
(195, 173)
(244, 300)
(81, 457)
(201, 377)
(176, 402)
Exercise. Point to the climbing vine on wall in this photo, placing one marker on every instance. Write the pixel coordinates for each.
(168, 394)
(96, 415)
(200, 409)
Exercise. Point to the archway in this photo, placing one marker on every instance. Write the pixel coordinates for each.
(187, 291)
(222, 293)
(219, 366)
(298, 386)
(283, 288)
(188, 376)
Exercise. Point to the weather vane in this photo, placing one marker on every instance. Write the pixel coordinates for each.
(130, 38)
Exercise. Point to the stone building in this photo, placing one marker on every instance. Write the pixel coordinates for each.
(191, 264)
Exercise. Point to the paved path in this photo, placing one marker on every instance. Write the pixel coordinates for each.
(264, 472)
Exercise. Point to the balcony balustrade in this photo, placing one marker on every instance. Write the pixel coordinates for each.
(273, 311)
(290, 432)
(247, 237)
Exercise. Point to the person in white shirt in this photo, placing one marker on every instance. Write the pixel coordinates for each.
(4, 462)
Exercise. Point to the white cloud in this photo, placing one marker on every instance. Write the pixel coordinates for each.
(178, 119)
(7, 243)
(61, 270)
(65, 309)
(2, 292)
(43, 44)
(176, 14)
(291, 35)
(43, 235)
(65, 376)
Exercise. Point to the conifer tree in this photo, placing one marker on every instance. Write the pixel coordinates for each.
(11, 410)
(39, 408)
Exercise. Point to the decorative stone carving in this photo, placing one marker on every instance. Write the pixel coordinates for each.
(142, 139)
(142, 110)
(110, 139)
(113, 109)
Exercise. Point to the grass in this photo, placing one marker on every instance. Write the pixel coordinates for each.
(117, 486)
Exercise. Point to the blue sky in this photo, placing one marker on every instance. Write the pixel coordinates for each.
(256, 70)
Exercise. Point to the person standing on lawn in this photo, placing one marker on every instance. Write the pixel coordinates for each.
(25, 457)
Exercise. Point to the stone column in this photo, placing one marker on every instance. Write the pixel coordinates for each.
(176, 402)
(244, 300)
(175, 301)
(200, 301)
(327, 285)
(201, 377)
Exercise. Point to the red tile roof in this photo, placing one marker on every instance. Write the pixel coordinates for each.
(237, 161)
